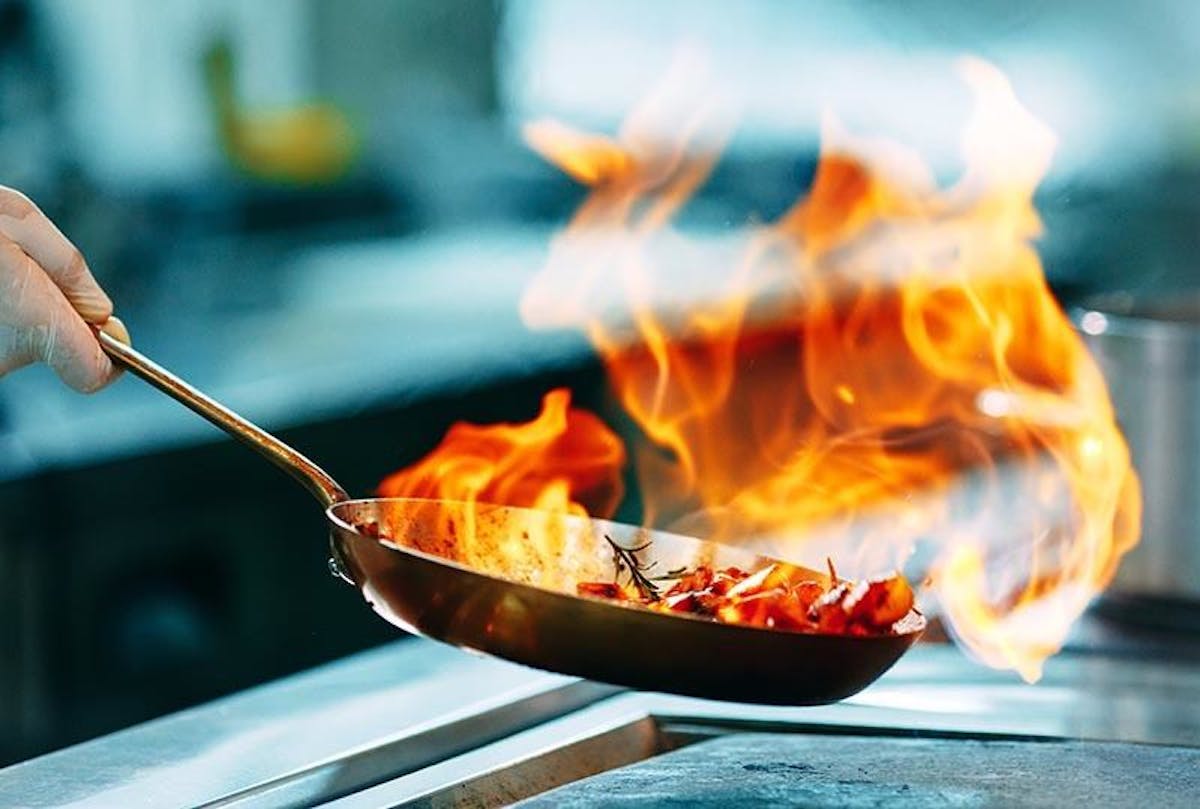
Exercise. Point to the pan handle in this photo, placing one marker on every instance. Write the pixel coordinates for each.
(313, 477)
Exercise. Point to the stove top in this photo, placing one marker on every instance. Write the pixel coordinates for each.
(818, 770)
(417, 723)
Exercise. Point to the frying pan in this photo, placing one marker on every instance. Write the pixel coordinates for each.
(515, 601)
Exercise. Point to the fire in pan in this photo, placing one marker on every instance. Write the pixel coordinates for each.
(400, 554)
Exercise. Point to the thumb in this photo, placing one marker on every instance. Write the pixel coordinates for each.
(113, 327)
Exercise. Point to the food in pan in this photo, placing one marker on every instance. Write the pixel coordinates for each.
(777, 596)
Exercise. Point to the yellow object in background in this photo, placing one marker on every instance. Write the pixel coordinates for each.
(309, 144)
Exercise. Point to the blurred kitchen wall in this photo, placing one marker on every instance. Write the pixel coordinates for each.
(133, 93)
(137, 110)
(1116, 81)
(1119, 82)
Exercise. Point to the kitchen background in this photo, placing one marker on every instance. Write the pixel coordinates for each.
(322, 212)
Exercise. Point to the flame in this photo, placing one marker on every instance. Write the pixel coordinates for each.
(880, 376)
(565, 461)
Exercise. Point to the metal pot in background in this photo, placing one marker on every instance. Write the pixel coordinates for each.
(1149, 351)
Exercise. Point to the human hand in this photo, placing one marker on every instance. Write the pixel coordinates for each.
(49, 300)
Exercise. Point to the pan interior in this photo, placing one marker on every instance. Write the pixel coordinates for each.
(548, 550)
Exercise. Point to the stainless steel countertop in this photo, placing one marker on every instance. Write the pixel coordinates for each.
(305, 727)
(412, 712)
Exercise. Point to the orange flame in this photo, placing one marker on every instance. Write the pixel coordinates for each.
(881, 376)
(565, 461)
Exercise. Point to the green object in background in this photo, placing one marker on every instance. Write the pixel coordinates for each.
(310, 144)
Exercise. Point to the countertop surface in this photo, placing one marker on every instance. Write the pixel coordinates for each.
(407, 706)
(836, 771)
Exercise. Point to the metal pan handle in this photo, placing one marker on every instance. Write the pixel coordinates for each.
(314, 478)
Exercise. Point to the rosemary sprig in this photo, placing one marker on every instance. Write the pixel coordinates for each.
(626, 560)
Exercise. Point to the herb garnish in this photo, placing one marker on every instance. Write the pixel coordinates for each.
(625, 560)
